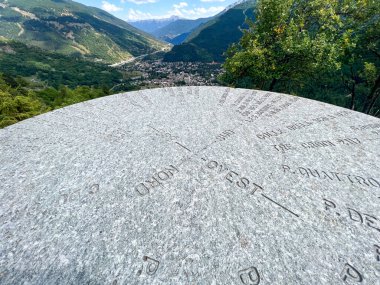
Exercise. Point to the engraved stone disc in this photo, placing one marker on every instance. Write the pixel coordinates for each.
(194, 185)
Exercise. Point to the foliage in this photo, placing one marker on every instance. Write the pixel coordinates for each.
(289, 40)
(313, 48)
(17, 59)
(20, 100)
(361, 57)
(17, 104)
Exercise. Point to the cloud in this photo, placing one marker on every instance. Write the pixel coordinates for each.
(109, 7)
(135, 15)
(196, 12)
(180, 9)
(209, 1)
(139, 2)
(180, 5)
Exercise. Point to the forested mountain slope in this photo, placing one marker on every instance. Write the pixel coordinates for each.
(67, 27)
(209, 41)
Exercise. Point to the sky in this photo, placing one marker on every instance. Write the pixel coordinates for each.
(132, 10)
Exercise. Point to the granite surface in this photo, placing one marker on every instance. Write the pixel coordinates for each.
(192, 185)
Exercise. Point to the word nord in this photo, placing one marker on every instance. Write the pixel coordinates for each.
(157, 179)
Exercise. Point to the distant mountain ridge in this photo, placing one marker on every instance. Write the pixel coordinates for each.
(176, 32)
(210, 40)
(67, 27)
(151, 25)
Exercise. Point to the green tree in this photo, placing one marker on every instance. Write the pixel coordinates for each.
(317, 49)
(361, 59)
(289, 40)
(18, 100)
(17, 105)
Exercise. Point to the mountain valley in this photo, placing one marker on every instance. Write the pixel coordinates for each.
(70, 28)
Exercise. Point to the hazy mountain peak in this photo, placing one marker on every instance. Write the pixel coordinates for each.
(151, 25)
(210, 40)
(177, 31)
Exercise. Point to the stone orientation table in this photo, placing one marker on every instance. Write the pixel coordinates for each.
(192, 185)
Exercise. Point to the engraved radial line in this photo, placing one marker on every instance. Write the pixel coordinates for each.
(183, 146)
(153, 128)
(280, 205)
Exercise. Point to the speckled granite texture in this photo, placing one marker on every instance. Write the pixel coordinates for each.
(193, 185)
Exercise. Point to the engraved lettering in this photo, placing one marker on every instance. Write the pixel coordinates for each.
(377, 249)
(224, 97)
(238, 100)
(305, 145)
(249, 276)
(94, 188)
(154, 182)
(331, 175)
(243, 183)
(374, 182)
(297, 126)
(223, 136)
(326, 175)
(229, 176)
(336, 175)
(303, 171)
(142, 189)
(329, 204)
(152, 266)
(317, 144)
(172, 170)
(355, 215)
(349, 177)
(361, 180)
(349, 141)
(285, 168)
(269, 134)
(256, 187)
(349, 274)
(163, 175)
(282, 147)
(370, 221)
(212, 164)
(314, 173)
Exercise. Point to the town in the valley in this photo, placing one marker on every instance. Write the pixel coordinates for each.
(147, 73)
